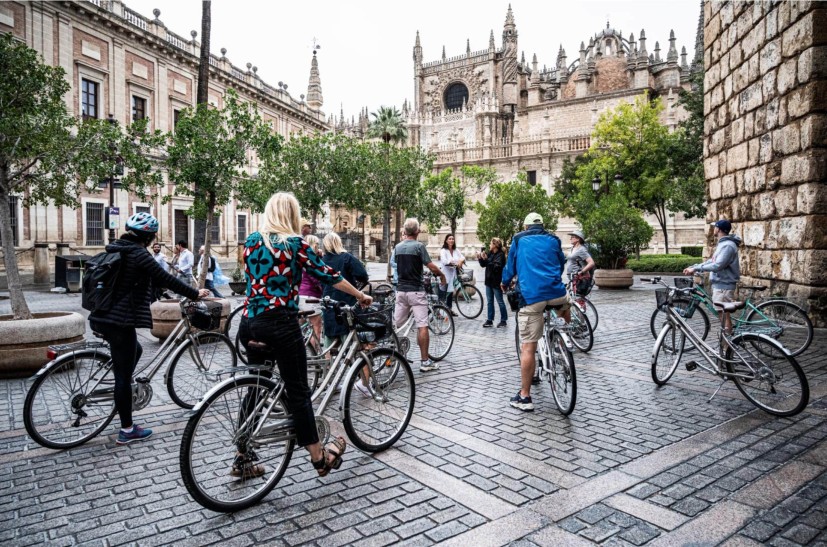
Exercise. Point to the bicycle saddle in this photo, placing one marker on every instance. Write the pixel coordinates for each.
(753, 287)
(97, 334)
(305, 313)
(729, 307)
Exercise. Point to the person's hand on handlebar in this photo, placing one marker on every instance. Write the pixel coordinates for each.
(689, 271)
(204, 293)
(365, 300)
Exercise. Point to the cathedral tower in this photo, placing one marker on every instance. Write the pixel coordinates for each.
(314, 88)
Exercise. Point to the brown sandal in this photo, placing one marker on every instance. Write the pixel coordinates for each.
(336, 447)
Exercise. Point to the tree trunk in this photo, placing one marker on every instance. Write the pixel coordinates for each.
(453, 227)
(203, 95)
(661, 216)
(386, 239)
(202, 276)
(19, 308)
(397, 234)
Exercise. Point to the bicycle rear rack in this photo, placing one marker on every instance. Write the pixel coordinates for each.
(60, 349)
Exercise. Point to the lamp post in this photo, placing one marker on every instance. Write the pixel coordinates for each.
(598, 186)
(113, 171)
(361, 220)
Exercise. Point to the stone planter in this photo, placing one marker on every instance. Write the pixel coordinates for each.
(238, 287)
(167, 313)
(23, 343)
(614, 279)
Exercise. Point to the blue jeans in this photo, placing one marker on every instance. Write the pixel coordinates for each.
(209, 285)
(490, 293)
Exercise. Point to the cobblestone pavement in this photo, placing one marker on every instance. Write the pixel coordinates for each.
(633, 465)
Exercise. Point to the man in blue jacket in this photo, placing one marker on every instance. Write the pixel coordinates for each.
(536, 259)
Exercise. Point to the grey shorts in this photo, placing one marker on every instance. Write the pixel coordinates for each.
(411, 302)
(723, 295)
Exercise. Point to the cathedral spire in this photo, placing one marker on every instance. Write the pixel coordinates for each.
(314, 87)
(672, 56)
(698, 61)
(417, 51)
(443, 53)
(509, 17)
(468, 46)
(491, 45)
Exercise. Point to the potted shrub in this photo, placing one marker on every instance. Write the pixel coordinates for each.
(237, 282)
(615, 230)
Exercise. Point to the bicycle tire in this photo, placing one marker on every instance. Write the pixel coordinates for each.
(774, 365)
(588, 308)
(699, 322)
(231, 331)
(441, 332)
(186, 382)
(217, 421)
(42, 416)
(563, 376)
(363, 415)
(789, 324)
(667, 353)
(469, 301)
(581, 333)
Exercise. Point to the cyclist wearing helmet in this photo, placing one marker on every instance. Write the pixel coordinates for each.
(132, 294)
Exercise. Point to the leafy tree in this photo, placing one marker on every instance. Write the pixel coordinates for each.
(504, 210)
(686, 153)
(202, 94)
(615, 230)
(444, 198)
(210, 157)
(46, 156)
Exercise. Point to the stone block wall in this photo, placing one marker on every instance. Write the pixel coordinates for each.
(765, 140)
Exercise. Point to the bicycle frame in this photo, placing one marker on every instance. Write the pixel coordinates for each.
(741, 320)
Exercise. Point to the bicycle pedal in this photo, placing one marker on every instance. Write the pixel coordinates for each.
(691, 365)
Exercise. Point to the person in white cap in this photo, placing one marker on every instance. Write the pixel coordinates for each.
(580, 263)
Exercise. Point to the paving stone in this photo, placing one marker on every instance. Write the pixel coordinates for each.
(801, 533)
(593, 514)
(760, 530)
(600, 532)
(571, 524)
(640, 534)
(690, 506)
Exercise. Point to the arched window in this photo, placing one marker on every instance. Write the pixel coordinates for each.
(608, 47)
(455, 96)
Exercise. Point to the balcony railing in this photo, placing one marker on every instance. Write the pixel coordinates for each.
(455, 153)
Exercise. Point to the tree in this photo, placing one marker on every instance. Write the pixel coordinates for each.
(686, 153)
(203, 96)
(504, 210)
(389, 126)
(615, 230)
(444, 198)
(217, 154)
(47, 157)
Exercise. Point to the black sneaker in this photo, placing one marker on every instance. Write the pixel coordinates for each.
(488, 324)
(502, 325)
(522, 403)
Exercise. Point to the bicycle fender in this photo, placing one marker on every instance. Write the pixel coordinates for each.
(65, 357)
(764, 337)
(661, 336)
(218, 386)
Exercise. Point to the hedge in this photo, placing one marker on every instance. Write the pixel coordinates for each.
(662, 263)
(693, 250)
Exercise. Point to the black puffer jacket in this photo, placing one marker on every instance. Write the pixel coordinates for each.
(132, 297)
(493, 265)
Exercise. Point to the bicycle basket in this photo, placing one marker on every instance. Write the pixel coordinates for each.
(662, 299)
(205, 315)
(467, 276)
(683, 282)
(382, 296)
(375, 318)
(513, 296)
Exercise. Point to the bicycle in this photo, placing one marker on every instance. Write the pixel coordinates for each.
(761, 368)
(72, 397)
(247, 414)
(582, 301)
(556, 361)
(778, 318)
(440, 324)
(580, 329)
(468, 299)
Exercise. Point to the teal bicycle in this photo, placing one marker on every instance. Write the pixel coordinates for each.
(778, 318)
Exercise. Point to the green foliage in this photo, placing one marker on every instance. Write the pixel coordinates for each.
(504, 210)
(615, 230)
(686, 154)
(444, 197)
(692, 250)
(388, 125)
(662, 263)
(391, 176)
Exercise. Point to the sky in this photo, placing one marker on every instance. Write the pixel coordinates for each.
(366, 54)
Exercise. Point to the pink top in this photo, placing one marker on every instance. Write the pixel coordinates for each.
(310, 286)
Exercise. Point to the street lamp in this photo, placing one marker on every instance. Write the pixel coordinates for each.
(597, 183)
(117, 169)
(361, 220)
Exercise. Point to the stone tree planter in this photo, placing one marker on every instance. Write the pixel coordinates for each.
(238, 287)
(167, 313)
(23, 343)
(614, 279)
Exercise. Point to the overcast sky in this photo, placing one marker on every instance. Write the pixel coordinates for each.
(366, 55)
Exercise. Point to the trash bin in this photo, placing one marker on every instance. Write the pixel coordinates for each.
(69, 271)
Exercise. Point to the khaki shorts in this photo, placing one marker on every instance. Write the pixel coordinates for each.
(407, 302)
(723, 295)
(530, 318)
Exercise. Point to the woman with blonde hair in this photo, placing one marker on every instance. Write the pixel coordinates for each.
(352, 270)
(275, 259)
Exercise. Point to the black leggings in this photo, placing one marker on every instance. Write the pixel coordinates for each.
(125, 351)
(280, 330)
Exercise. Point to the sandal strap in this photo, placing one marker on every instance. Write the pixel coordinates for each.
(339, 444)
(322, 462)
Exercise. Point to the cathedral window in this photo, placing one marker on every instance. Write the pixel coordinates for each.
(608, 48)
(455, 96)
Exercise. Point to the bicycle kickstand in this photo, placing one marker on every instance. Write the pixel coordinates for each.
(716, 391)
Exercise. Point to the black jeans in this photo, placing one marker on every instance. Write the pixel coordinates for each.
(280, 330)
(125, 351)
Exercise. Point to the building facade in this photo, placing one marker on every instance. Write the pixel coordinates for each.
(493, 108)
(123, 64)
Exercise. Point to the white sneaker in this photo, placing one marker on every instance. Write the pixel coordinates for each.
(362, 388)
(427, 366)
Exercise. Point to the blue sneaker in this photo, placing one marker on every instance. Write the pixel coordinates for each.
(138, 433)
(523, 403)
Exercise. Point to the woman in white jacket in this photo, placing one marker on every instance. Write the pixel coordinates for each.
(451, 261)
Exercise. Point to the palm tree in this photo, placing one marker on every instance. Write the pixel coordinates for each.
(389, 126)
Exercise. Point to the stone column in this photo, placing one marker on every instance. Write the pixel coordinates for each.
(41, 264)
(765, 160)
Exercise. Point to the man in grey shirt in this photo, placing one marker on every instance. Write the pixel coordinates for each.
(411, 257)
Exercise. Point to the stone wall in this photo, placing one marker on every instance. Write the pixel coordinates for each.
(765, 135)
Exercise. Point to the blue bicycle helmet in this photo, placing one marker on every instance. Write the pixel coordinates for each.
(142, 223)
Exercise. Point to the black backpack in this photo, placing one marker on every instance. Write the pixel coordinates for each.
(99, 280)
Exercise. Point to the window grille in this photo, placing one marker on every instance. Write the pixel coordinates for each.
(89, 98)
(455, 96)
(215, 231)
(181, 225)
(94, 224)
(138, 108)
(532, 177)
(13, 209)
(242, 228)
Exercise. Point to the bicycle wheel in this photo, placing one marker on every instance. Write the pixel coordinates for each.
(221, 430)
(469, 301)
(71, 402)
(375, 422)
(770, 378)
(580, 330)
(563, 378)
(667, 353)
(315, 369)
(195, 365)
(587, 307)
(440, 332)
(231, 331)
(699, 322)
(783, 321)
